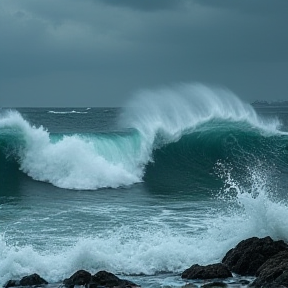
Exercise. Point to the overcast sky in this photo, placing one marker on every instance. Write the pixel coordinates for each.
(100, 52)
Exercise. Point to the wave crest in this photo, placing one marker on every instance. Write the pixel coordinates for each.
(157, 118)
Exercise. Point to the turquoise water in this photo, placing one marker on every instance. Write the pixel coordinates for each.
(173, 179)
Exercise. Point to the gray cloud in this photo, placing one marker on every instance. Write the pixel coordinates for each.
(264, 7)
(147, 5)
(99, 52)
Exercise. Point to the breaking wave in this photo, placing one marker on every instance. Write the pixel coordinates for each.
(191, 126)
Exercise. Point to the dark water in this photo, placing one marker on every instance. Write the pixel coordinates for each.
(147, 190)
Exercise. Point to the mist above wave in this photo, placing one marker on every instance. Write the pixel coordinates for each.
(157, 118)
(172, 111)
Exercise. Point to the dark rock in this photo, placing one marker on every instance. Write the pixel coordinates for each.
(107, 279)
(103, 278)
(12, 283)
(214, 285)
(80, 277)
(247, 257)
(207, 272)
(274, 272)
(32, 280)
(189, 285)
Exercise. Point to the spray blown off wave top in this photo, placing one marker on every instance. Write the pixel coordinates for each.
(177, 177)
(190, 116)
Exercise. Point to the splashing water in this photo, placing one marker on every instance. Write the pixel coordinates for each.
(252, 204)
(151, 120)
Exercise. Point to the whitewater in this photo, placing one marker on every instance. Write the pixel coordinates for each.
(176, 177)
(154, 119)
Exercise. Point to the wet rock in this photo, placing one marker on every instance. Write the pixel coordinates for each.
(30, 280)
(214, 285)
(12, 283)
(207, 272)
(189, 285)
(80, 277)
(107, 279)
(274, 272)
(247, 257)
(102, 279)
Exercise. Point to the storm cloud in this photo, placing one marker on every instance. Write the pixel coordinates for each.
(99, 52)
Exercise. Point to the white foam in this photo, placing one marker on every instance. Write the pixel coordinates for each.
(184, 107)
(72, 162)
(78, 162)
(68, 112)
(148, 252)
(159, 116)
(158, 247)
(135, 249)
(172, 112)
(254, 208)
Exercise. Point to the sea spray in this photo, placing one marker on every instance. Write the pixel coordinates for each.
(137, 248)
(174, 111)
(151, 120)
(204, 183)
(163, 238)
(71, 162)
(165, 116)
(152, 244)
(252, 205)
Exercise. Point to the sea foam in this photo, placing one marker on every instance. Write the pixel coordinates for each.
(134, 250)
(71, 162)
(156, 118)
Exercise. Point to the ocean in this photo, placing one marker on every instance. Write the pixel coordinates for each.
(176, 177)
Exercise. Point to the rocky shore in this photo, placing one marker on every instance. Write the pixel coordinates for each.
(261, 258)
